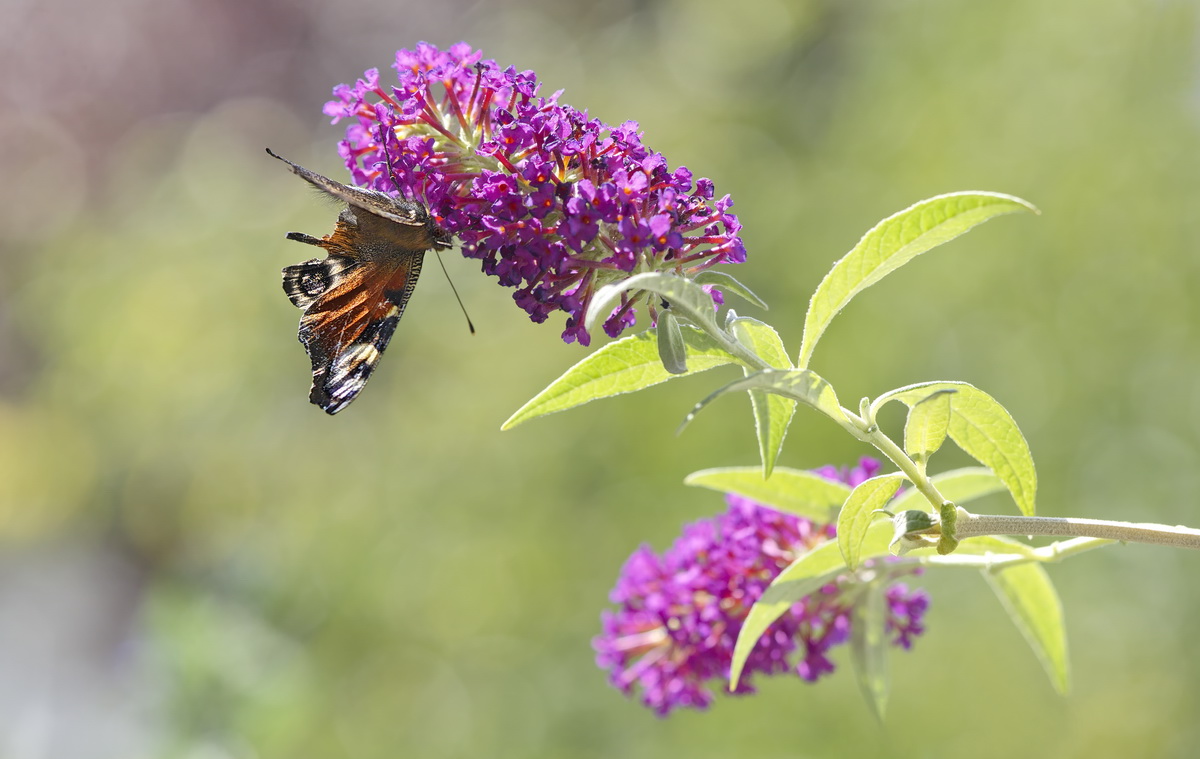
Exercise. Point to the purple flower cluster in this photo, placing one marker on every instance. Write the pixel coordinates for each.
(556, 204)
(680, 613)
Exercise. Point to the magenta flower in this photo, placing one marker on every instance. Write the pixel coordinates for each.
(680, 613)
(554, 203)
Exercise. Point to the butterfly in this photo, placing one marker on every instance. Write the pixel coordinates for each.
(354, 297)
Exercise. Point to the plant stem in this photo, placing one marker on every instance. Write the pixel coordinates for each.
(868, 431)
(969, 525)
(735, 348)
(1054, 552)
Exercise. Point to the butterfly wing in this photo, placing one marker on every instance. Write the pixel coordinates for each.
(354, 298)
(353, 301)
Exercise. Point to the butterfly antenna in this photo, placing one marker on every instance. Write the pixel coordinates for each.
(454, 290)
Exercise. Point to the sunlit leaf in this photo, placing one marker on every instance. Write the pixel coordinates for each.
(998, 547)
(622, 366)
(686, 297)
(985, 431)
(983, 545)
(797, 384)
(1029, 597)
(792, 490)
(859, 512)
(727, 283)
(772, 413)
(927, 425)
(803, 576)
(869, 648)
(671, 350)
(894, 242)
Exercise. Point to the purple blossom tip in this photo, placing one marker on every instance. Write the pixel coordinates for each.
(553, 203)
(679, 613)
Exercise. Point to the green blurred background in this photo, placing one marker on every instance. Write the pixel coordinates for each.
(195, 562)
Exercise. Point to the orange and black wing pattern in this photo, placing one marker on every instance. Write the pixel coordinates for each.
(354, 298)
(347, 325)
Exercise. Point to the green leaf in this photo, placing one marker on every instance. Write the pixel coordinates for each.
(671, 350)
(622, 366)
(998, 547)
(985, 431)
(957, 485)
(797, 384)
(723, 281)
(792, 490)
(894, 242)
(686, 297)
(869, 647)
(860, 510)
(1029, 597)
(927, 425)
(803, 576)
(772, 413)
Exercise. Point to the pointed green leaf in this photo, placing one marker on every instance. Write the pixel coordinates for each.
(927, 425)
(772, 413)
(803, 576)
(894, 242)
(671, 350)
(985, 431)
(957, 485)
(792, 490)
(622, 366)
(1029, 597)
(859, 512)
(762, 339)
(723, 281)
(686, 297)
(798, 384)
(869, 648)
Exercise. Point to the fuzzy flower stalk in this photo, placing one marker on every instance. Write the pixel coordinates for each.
(679, 614)
(554, 203)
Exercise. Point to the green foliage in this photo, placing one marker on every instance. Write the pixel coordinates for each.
(1032, 603)
(686, 297)
(996, 548)
(860, 510)
(623, 366)
(671, 349)
(984, 430)
(927, 426)
(792, 490)
(894, 242)
(869, 647)
(937, 410)
(772, 412)
(728, 284)
(798, 384)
